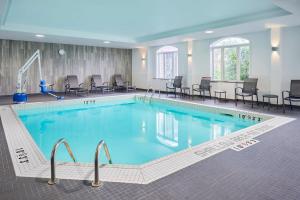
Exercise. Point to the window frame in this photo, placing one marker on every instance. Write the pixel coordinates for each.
(238, 67)
(160, 52)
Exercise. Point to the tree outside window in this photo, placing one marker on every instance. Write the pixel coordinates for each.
(230, 59)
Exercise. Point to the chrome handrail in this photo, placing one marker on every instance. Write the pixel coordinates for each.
(148, 90)
(62, 140)
(97, 182)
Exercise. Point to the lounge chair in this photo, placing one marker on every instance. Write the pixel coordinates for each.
(97, 84)
(72, 86)
(202, 87)
(177, 83)
(249, 89)
(293, 94)
(120, 84)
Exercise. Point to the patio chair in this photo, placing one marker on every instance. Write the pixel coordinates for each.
(293, 94)
(176, 83)
(249, 89)
(72, 85)
(202, 87)
(97, 84)
(120, 84)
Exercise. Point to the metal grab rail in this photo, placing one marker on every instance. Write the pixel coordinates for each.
(97, 182)
(152, 92)
(62, 140)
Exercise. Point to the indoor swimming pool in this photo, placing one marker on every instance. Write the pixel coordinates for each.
(135, 131)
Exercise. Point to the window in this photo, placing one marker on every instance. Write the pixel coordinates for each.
(167, 129)
(167, 62)
(230, 59)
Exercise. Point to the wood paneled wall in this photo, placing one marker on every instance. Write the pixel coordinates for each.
(82, 61)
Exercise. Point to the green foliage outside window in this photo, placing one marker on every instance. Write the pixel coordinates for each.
(244, 62)
(230, 65)
(231, 59)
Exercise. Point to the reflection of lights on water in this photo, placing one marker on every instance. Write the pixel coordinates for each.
(189, 142)
(143, 126)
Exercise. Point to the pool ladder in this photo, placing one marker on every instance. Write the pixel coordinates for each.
(151, 91)
(96, 182)
(52, 180)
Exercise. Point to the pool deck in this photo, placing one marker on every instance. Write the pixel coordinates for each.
(268, 170)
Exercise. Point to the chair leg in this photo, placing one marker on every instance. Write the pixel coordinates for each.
(209, 94)
(244, 100)
(252, 101)
(257, 102)
(215, 96)
(236, 99)
(291, 104)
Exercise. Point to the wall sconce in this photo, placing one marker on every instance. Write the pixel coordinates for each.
(143, 59)
(275, 49)
(189, 55)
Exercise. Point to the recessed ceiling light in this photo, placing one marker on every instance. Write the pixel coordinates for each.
(39, 35)
(107, 42)
(209, 32)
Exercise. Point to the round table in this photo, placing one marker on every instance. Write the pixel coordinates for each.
(186, 91)
(220, 92)
(269, 97)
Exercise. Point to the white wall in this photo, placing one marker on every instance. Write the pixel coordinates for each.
(289, 50)
(144, 71)
(262, 62)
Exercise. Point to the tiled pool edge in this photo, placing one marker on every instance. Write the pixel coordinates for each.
(40, 167)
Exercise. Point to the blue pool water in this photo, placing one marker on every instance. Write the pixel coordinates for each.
(135, 132)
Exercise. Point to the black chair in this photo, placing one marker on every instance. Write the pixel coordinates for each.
(97, 84)
(202, 87)
(177, 83)
(249, 89)
(72, 85)
(293, 94)
(120, 84)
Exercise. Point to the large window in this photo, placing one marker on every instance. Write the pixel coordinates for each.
(230, 59)
(167, 62)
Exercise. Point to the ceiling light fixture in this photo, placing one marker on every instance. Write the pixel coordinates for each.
(209, 32)
(107, 42)
(39, 36)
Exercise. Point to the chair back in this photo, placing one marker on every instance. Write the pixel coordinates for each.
(118, 80)
(177, 82)
(72, 80)
(205, 83)
(295, 88)
(250, 86)
(96, 80)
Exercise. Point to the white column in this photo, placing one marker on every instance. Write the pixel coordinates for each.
(190, 63)
(276, 63)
